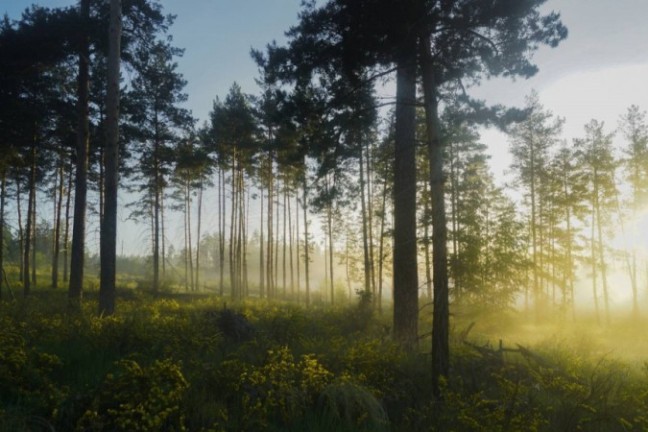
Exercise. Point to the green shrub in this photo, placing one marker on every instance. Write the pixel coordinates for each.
(138, 398)
(27, 392)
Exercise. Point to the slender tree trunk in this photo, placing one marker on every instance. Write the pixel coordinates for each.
(347, 268)
(455, 223)
(34, 231)
(189, 242)
(261, 248)
(426, 241)
(365, 236)
(276, 243)
(186, 242)
(108, 242)
(66, 233)
(283, 245)
(101, 184)
(245, 218)
(221, 228)
(329, 226)
(290, 248)
(157, 191)
(593, 255)
(441, 313)
(405, 254)
(21, 232)
(297, 244)
(233, 226)
(269, 255)
(601, 252)
(372, 272)
(30, 220)
(200, 199)
(3, 196)
(57, 224)
(381, 245)
(306, 245)
(77, 256)
(162, 238)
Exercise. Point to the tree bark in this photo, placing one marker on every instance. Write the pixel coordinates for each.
(306, 245)
(77, 255)
(108, 243)
(440, 323)
(3, 196)
(57, 224)
(29, 229)
(21, 231)
(66, 233)
(405, 255)
(365, 236)
(261, 248)
(200, 199)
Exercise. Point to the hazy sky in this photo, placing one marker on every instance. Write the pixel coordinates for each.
(597, 72)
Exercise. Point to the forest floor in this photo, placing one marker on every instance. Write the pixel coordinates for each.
(181, 362)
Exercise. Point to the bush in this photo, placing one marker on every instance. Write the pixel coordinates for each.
(138, 398)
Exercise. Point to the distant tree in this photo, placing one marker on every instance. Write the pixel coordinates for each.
(569, 205)
(234, 130)
(635, 130)
(598, 165)
(531, 143)
(157, 93)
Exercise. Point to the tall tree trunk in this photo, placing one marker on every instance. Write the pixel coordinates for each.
(157, 186)
(329, 239)
(276, 243)
(29, 229)
(283, 243)
(306, 245)
(246, 220)
(57, 224)
(455, 222)
(381, 245)
(290, 248)
(34, 231)
(162, 238)
(365, 236)
(601, 252)
(192, 283)
(441, 313)
(77, 255)
(66, 233)
(593, 256)
(221, 228)
(372, 272)
(297, 242)
(108, 242)
(199, 216)
(261, 248)
(426, 241)
(3, 196)
(21, 232)
(233, 225)
(405, 254)
(270, 241)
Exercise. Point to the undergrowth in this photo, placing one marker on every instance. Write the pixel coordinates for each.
(198, 364)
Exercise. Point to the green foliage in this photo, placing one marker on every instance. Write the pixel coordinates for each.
(27, 390)
(163, 364)
(138, 398)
